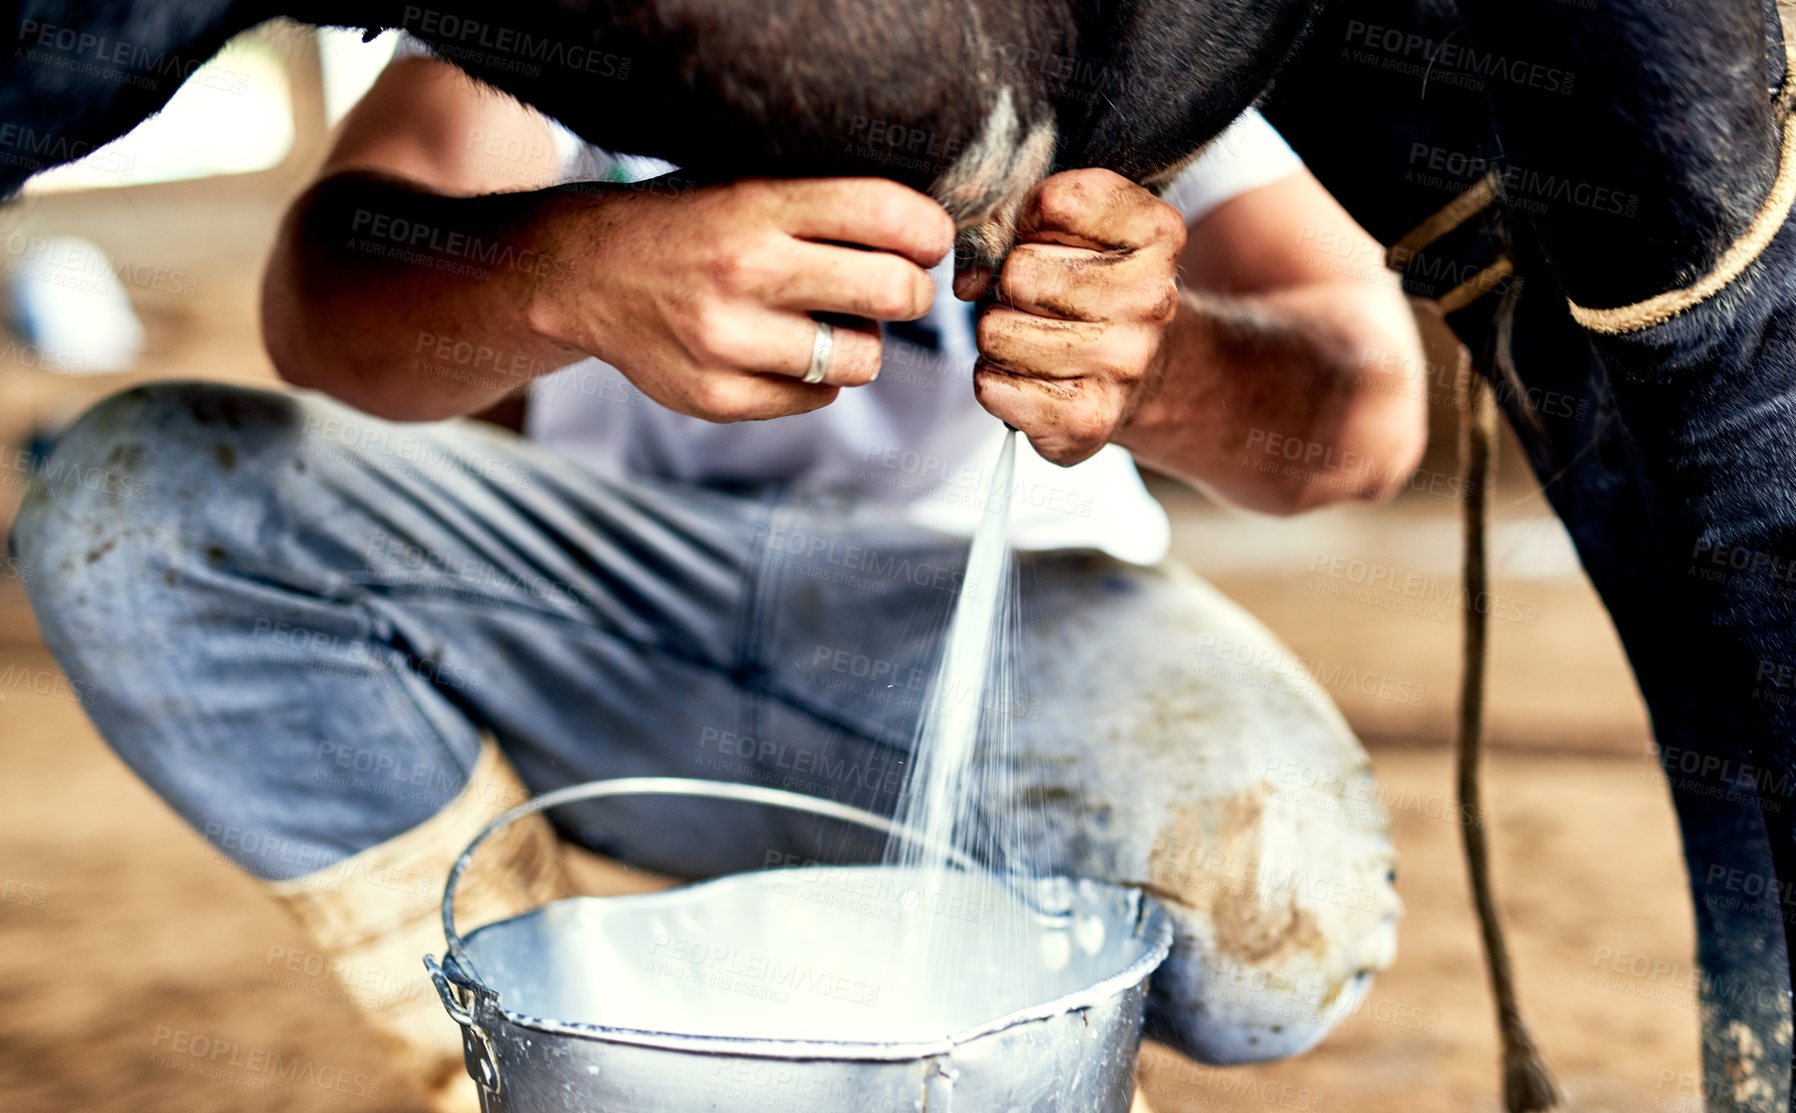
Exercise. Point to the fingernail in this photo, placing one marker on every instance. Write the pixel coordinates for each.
(969, 284)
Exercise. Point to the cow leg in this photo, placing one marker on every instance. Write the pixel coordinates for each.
(1705, 388)
(1744, 994)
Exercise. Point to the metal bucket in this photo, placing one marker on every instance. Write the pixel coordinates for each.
(678, 1000)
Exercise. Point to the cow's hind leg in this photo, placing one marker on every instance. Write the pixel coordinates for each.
(1687, 295)
(1744, 989)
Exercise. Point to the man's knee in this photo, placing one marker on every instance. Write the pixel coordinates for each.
(116, 498)
(1226, 1010)
(1283, 909)
(130, 453)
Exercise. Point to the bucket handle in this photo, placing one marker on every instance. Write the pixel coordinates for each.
(666, 786)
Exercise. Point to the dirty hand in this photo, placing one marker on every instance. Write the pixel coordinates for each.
(1073, 346)
(704, 300)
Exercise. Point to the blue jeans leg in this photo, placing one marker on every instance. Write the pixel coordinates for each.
(295, 622)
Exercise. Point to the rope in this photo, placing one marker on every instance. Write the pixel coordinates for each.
(1476, 286)
(1469, 203)
(1454, 213)
(1527, 1085)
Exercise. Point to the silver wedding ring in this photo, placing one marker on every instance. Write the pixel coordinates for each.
(821, 347)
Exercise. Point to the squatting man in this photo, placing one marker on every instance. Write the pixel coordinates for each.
(723, 386)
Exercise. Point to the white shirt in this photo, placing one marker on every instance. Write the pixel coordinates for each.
(914, 437)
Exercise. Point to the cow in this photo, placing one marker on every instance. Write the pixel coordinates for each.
(1596, 197)
(970, 101)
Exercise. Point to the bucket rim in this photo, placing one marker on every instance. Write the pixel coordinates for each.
(1151, 921)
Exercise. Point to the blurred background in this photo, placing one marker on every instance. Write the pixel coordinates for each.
(144, 262)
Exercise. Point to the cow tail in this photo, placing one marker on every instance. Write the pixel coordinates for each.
(1527, 1084)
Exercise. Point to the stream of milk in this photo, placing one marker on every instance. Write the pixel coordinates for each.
(958, 695)
(957, 947)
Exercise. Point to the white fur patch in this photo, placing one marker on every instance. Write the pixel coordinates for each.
(983, 190)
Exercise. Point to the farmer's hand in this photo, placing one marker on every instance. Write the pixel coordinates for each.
(1073, 346)
(703, 300)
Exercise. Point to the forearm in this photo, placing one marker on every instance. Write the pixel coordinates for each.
(408, 304)
(1287, 400)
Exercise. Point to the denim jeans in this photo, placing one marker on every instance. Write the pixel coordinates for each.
(296, 623)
